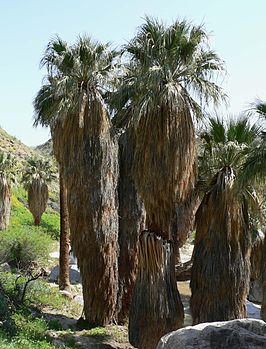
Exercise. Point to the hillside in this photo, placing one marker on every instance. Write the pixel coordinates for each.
(14, 146)
(45, 149)
(10, 144)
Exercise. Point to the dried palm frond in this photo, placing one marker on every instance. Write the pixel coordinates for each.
(221, 266)
(156, 307)
(37, 198)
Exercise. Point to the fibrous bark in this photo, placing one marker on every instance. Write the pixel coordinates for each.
(37, 198)
(90, 158)
(164, 164)
(64, 282)
(221, 266)
(156, 307)
(263, 305)
(131, 222)
(5, 202)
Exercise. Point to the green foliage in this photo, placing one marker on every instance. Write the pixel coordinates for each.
(24, 243)
(21, 247)
(37, 167)
(75, 73)
(8, 167)
(21, 218)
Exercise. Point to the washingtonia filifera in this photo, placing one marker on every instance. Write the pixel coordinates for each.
(71, 103)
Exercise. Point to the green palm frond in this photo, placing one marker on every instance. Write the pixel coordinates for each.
(76, 75)
(38, 169)
(226, 143)
(259, 107)
(171, 65)
(8, 167)
(254, 168)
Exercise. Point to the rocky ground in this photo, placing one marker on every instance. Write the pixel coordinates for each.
(109, 340)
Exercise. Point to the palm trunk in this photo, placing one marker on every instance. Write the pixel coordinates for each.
(131, 222)
(156, 307)
(263, 305)
(221, 266)
(64, 282)
(90, 158)
(5, 203)
(37, 199)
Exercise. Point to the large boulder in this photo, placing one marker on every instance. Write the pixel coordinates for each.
(234, 334)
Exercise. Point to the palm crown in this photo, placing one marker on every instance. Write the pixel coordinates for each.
(226, 143)
(37, 168)
(171, 65)
(77, 74)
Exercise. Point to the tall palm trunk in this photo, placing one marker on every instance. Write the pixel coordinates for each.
(131, 222)
(263, 305)
(90, 160)
(156, 307)
(64, 282)
(164, 174)
(221, 266)
(5, 203)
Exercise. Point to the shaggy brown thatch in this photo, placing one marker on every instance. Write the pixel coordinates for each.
(183, 222)
(221, 266)
(164, 164)
(156, 307)
(263, 305)
(256, 258)
(131, 222)
(37, 198)
(90, 157)
(5, 202)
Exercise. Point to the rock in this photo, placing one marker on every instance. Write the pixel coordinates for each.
(234, 334)
(255, 291)
(79, 299)
(74, 275)
(253, 310)
(5, 267)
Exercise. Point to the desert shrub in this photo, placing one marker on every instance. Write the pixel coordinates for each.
(21, 247)
(7, 324)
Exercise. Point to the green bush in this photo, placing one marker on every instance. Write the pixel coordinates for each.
(21, 216)
(22, 246)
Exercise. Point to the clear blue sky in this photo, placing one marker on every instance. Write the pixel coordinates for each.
(237, 28)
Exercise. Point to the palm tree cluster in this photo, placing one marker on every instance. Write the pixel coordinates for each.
(123, 128)
(34, 174)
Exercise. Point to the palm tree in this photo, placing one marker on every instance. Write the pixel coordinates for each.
(7, 177)
(256, 167)
(170, 70)
(72, 103)
(221, 257)
(38, 173)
